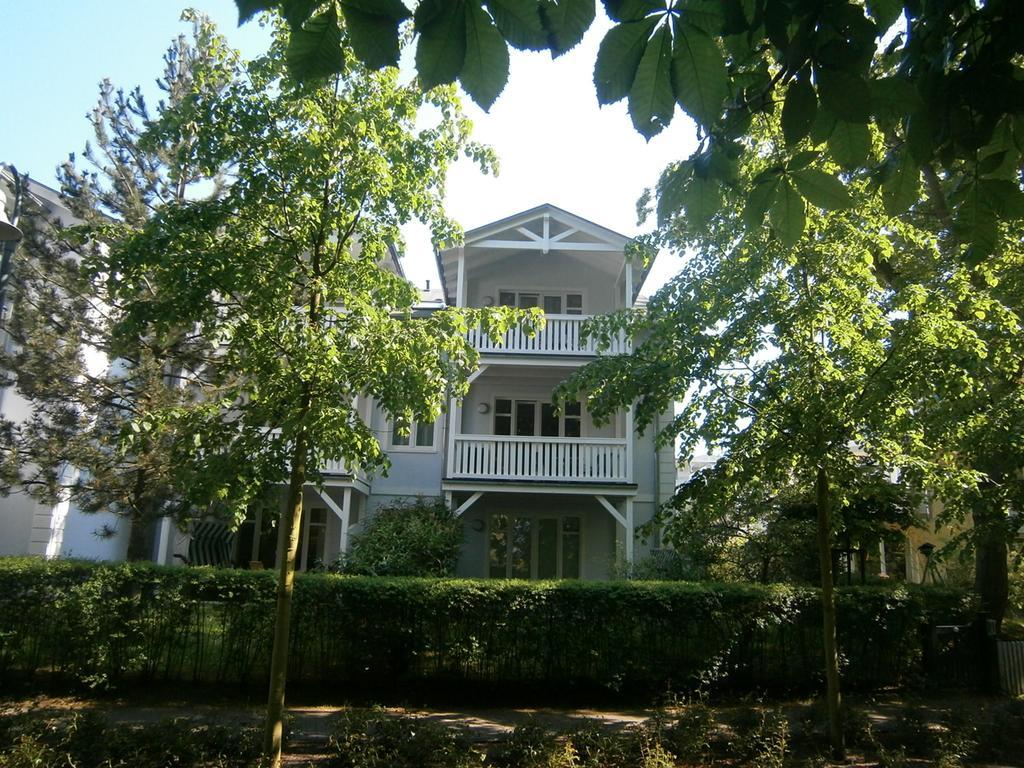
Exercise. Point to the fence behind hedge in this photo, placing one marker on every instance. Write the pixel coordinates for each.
(104, 624)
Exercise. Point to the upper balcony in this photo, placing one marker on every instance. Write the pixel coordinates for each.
(548, 258)
(561, 335)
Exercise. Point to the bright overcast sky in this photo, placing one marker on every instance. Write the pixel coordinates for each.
(554, 144)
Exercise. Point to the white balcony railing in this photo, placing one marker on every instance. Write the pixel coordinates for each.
(560, 336)
(580, 460)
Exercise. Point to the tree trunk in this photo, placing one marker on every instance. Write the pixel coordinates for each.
(287, 546)
(828, 615)
(991, 574)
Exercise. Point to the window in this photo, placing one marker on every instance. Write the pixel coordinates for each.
(420, 436)
(533, 547)
(552, 303)
(314, 538)
(529, 418)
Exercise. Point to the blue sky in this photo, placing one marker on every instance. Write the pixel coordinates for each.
(554, 143)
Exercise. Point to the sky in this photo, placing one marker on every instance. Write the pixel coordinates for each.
(554, 144)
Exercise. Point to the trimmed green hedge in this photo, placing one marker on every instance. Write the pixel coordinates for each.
(100, 624)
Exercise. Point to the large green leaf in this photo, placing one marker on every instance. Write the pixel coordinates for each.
(788, 214)
(821, 189)
(845, 95)
(374, 37)
(903, 188)
(249, 8)
(566, 21)
(1005, 196)
(314, 50)
(699, 76)
(485, 71)
(975, 221)
(650, 99)
(671, 186)
(702, 199)
(760, 199)
(296, 12)
(519, 21)
(441, 51)
(893, 97)
(798, 111)
(885, 12)
(849, 144)
(618, 59)
(631, 10)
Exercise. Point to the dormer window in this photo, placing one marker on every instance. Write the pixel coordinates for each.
(551, 303)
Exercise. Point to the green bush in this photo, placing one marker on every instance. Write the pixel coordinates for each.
(418, 538)
(375, 739)
(98, 625)
(90, 741)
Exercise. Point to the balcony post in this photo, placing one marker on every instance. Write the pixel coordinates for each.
(460, 296)
(630, 442)
(630, 527)
(346, 515)
(453, 412)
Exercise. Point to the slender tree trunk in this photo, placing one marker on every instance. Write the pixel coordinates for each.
(828, 615)
(287, 545)
(991, 573)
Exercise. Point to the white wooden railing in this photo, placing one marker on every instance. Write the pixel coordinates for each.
(559, 336)
(499, 457)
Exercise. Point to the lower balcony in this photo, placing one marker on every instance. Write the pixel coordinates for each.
(548, 459)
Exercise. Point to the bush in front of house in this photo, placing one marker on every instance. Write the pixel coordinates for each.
(102, 625)
(407, 538)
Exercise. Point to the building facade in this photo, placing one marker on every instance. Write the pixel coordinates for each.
(543, 493)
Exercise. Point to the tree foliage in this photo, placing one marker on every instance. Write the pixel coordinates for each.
(284, 276)
(942, 81)
(849, 344)
(88, 388)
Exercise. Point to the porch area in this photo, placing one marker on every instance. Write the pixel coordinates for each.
(561, 335)
(522, 535)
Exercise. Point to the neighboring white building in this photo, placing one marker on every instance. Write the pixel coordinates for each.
(28, 526)
(542, 494)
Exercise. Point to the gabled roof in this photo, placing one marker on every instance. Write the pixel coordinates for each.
(544, 228)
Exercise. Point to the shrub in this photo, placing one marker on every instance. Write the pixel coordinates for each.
(375, 739)
(764, 745)
(99, 625)
(530, 745)
(418, 538)
(90, 741)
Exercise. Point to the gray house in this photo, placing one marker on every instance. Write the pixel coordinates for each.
(544, 494)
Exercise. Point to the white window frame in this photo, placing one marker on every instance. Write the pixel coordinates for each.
(410, 446)
(535, 517)
(541, 293)
(537, 416)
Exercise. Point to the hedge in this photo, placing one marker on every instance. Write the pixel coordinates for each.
(106, 624)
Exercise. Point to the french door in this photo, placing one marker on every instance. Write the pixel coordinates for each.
(534, 547)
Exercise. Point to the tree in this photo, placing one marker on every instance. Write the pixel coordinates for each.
(786, 351)
(941, 80)
(282, 273)
(85, 387)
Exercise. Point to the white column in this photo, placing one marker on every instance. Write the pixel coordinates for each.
(346, 515)
(629, 284)
(630, 443)
(454, 416)
(164, 537)
(630, 527)
(460, 287)
(882, 570)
